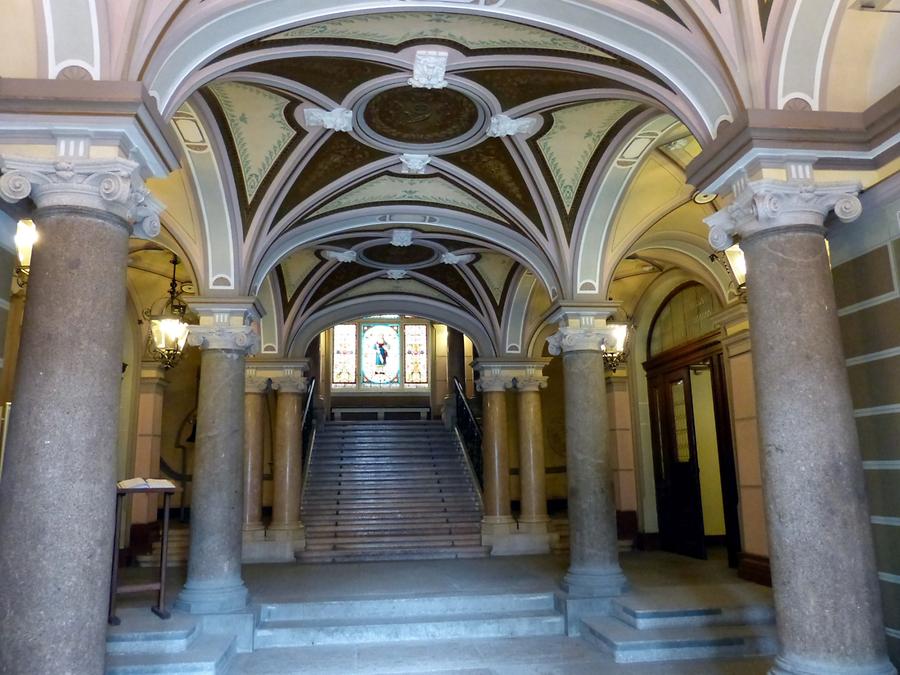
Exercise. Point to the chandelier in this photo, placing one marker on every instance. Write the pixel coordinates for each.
(168, 329)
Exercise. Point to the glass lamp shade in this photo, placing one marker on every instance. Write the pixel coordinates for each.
(26, 236)
(738, 264)
(168, 335)
(614, 351)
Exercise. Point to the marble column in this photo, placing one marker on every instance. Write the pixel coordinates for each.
(149, 438)
(57, 496)
(498, 521)
(287, 470)
(594, 570)
(827, 600)
(533, 517)
(456, 357)
(255, 387)
(225, 337)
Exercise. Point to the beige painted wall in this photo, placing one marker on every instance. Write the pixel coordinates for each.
(707, 453)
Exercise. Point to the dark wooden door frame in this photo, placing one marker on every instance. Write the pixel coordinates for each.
(706, 348)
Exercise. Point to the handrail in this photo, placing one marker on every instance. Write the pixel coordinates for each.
(469, 430)
(308, 421)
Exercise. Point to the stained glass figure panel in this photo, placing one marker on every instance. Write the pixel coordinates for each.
(416, 361)
(344, 355)
(380, 354)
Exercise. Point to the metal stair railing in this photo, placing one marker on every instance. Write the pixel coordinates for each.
(469, 431)
(308, 430)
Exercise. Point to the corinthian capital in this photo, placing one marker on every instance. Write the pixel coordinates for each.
(763, 205)
(227, 324)
(289, 382)
(110, 185)
(580, 339)
(231, 338)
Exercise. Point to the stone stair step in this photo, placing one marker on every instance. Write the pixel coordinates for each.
(317, 519)
(439, 626)
(417, 553)
(142, 632)
(701, 605)
(380, 541)
(628, 644)
(316, 531)
(207, 654)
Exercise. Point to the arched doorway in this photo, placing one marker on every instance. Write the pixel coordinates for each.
(693, 459)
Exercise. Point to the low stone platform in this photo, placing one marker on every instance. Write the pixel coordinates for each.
(478, 617)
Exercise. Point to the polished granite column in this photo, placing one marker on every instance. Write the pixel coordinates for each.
(594, 570)
(498, 521)
(58, 492)
(287, 470)
(533, 518)
(255, 388)
(827, 601)
(225, 336)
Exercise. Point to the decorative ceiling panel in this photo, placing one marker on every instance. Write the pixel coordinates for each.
(491, 162)
(405, 286)
(260, 133)
(397, 189)
(515, 86)
(469, 31)
(576, 134)
(331, 75)
(341, 275)
(494, 270)
(337, 156)
(296, 268)
(449, 276)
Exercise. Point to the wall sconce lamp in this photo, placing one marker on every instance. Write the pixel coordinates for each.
(615, 351)
(168, 329)
(732, 260)
(26, 236)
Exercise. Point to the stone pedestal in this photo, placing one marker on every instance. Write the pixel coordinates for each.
(823, 568)
(214, 583)
(287, 458)
(253, 529)
(57, 496)
(533, 518)
(498, 522)
(594, 570)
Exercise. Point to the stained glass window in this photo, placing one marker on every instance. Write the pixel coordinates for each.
(416, 362)
(381, 354)
(344, 361)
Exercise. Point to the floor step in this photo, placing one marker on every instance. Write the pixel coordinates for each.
(390, 629)
(208, 654)
(142, 632)
(628, 644)
(393, 554)
(702, 605)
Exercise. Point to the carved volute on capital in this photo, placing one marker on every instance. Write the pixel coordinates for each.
(255, 383)
(531, 382)
(228, 325)
(763, 205)
(232, 338)
(580, 339)
(111, 186)
(290, 382)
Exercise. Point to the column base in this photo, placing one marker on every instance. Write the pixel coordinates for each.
(206, 597)
(789, 665)
(594, 582)
(534, 525)
(289, 532)
(252, 532)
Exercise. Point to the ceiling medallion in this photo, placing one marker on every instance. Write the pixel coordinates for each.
(414, 121)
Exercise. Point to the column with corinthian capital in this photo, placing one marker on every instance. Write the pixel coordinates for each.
(533, 516)
(497, 524)
(827, 601)
(255, 387)
(287, 452)
(57, 496)
(594, 574)
(226, 335)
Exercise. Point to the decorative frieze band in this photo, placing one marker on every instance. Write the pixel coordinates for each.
(762, 205)
(108, 185)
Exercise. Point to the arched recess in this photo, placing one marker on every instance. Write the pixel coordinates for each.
(590, 247)
(698, 76)
(650, 302)
(307, 328)
(801, 62)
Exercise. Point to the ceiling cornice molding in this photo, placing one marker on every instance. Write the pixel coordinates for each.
(866, 140)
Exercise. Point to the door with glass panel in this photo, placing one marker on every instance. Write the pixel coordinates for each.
(676, 464)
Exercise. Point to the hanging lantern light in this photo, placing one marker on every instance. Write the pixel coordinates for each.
(168, 329)
(614, 351)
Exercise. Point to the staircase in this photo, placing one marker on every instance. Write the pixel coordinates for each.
(686, 622)
(177, 554)
(389, 490)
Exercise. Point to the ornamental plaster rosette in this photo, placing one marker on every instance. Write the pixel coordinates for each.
(454, 259)
(503, 125)
(339, 119)
(111, 186)
(341, 256)
(763, 205)
(429, 68)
